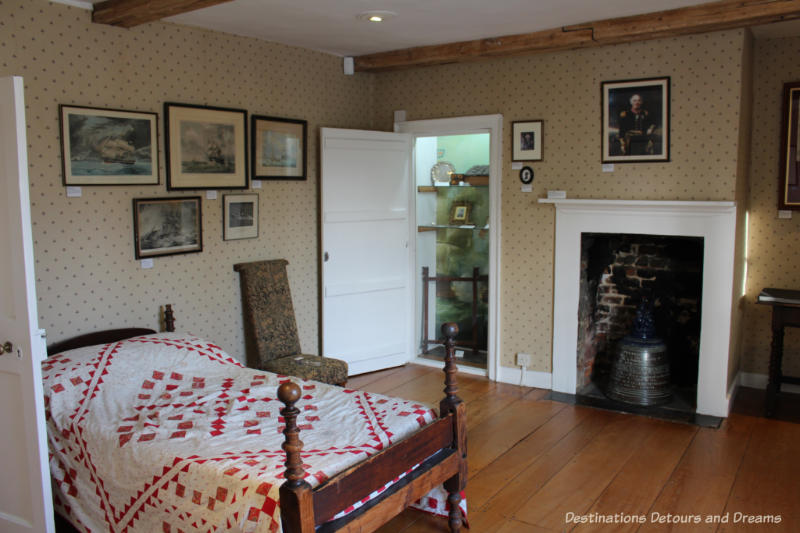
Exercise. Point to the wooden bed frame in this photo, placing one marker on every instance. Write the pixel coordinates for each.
(440, 449)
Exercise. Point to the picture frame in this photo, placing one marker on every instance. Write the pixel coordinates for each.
(108, 146)
(167, 226)
(635, 120)
(460, 212)
(205, 147)
(526, 140)
(278, 148)
(789, 178)
(239, 216)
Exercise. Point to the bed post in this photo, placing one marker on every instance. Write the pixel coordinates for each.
(169, 318)
(453, 404)
(297, 506)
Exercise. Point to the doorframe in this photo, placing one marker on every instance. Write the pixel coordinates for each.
(460, 126)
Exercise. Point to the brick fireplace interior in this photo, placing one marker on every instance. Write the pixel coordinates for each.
(617, 272)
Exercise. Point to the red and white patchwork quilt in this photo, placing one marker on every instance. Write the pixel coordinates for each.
(168, 433)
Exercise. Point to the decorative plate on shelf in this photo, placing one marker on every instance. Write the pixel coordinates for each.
(441, 171)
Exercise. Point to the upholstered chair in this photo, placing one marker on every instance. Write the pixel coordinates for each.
(270, 328)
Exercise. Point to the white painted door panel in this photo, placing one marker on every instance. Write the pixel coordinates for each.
(25, 498)
(366, 299)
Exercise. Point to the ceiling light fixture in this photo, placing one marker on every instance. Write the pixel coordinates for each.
(376, 16)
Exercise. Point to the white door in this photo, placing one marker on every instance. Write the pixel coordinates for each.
(25, 500)
(366, 259)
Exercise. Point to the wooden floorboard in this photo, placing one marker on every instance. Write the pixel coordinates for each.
(768, 481)
(702, 481)
(532, 461)
(640, 481)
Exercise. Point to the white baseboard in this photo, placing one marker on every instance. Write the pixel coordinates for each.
(759, 381)
(465, 369)
(532, 378)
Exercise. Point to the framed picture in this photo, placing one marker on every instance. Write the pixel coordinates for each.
(278, 148)
(789, 195)
(206, 147)
(526, 140)
(167, 226)
(635, 120)
(108, 146)
(240, 216)
(459, 213)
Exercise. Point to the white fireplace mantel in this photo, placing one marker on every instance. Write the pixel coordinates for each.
(715, 222)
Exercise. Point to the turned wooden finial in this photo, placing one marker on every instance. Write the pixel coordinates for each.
(451, 400)
(289, 393)
(169, 318)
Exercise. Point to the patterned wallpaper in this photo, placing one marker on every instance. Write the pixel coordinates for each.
(87, 277)
(563, 89)
(773, 254)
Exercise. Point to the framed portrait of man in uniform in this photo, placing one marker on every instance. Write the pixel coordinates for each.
(635, 120)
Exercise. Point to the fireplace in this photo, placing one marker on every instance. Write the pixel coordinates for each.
(713, 222)
(621, 272)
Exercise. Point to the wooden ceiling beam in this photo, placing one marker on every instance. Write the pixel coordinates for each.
(129, 13)
(715, 16)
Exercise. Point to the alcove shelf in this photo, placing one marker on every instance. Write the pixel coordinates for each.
(433, 188)
(434, 227)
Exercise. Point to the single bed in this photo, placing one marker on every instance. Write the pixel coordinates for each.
(166, 432)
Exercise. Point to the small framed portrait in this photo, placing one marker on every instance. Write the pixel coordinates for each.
(526, 175)
(789, 197)
(635, 120)
(278, 148)
(459, 213)
(108, 146)
(240, 216)
(167, 226)
(206, 147)
(526, 140)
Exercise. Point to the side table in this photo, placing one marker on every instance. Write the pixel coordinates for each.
(785, 313)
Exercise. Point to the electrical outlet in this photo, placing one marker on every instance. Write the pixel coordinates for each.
(524, 359)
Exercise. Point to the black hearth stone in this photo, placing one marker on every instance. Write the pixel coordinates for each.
(679, 409)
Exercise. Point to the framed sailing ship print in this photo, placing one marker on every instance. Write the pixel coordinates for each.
(278, 148)
(108, 146)
(206, 147)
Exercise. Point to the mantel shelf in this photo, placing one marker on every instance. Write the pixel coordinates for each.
(615, 205)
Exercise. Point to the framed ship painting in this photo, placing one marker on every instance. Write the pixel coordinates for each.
(278, 148)
(205, 147)
(167, 226)
(240, 216)
(108, 146)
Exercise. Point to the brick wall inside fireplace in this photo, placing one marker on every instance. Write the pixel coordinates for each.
(617, 271)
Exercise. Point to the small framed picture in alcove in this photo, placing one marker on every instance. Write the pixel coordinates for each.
(789, 197)
(459, 213)
(635, 120)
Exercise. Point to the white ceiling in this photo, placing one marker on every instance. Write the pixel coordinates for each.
(331, 25)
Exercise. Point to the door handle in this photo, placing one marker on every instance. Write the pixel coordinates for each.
(325, 257)
(6, 347)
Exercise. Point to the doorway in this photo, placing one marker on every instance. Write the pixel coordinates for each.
(452, 212)
(456, 188)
